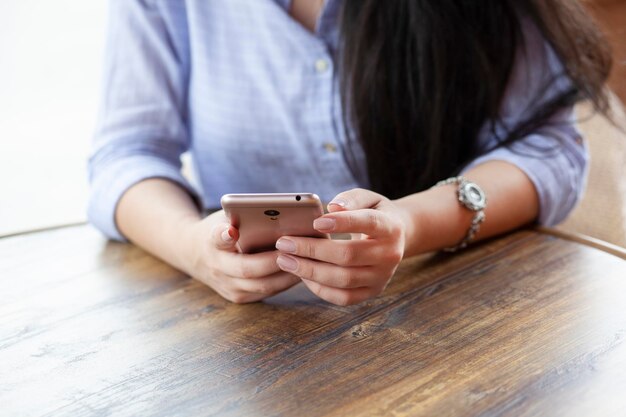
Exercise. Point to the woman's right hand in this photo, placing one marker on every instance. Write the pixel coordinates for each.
(211, 257)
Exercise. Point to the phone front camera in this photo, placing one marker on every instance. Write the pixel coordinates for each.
(272, 213)
(298, 198)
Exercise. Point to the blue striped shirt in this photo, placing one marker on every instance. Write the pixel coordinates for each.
(253, 96)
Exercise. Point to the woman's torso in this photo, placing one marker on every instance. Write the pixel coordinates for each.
(264, 109)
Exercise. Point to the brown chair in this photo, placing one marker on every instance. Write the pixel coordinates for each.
(601, 213)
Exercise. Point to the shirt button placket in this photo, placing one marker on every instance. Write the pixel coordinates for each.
(327, 148)
(322, 66)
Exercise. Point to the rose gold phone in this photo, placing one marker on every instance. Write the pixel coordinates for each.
(263, 218)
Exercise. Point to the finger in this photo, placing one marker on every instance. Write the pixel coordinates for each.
(242, 297)
(266, 286)
(237, 296)
(340, 296)
(247, 266)
(357, 198)
(340, 252)
(373, 223)
(329, 274)
(224, 236)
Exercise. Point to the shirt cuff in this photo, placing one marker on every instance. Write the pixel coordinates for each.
(113, 180)
(559, 177)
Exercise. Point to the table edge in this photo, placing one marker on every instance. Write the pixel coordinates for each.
(570, 236)
(43, 229)
(584, 240)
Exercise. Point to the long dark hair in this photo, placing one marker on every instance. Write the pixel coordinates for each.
(420, 78)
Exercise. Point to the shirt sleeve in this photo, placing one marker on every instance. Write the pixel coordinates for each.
(141, 130)
(555, 156)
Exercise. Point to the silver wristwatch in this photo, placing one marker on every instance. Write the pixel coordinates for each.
(472, 197)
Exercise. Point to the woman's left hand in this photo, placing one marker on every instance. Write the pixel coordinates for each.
(349, 271)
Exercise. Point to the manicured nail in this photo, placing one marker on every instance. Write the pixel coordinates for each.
(287, 263)
(286, 245)
(226, 236)
(338, 202)
(324, 224)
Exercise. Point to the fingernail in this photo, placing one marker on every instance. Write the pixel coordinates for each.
(287, 263)
(286, 245)
(324, 224)
(338, 202)
(226, 237)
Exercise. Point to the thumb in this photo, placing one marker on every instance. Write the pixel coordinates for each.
(355, 199)
(225, 236)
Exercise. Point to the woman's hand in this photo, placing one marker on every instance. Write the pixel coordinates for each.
(349, 271)
(240, 278)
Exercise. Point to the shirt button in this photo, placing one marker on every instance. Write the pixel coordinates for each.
(331, 148)
(321, 65)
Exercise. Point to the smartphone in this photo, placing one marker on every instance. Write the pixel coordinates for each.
(263, 218)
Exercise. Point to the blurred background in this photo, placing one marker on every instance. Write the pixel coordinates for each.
(50, 70)
(50, 66)
(611, 16)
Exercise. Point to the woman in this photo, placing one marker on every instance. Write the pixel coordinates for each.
(367, 103)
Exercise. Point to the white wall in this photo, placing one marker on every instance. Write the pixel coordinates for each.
(50, 69)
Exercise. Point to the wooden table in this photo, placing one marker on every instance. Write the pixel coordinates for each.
(525, 325)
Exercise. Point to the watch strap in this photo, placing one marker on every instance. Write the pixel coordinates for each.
(479, 213)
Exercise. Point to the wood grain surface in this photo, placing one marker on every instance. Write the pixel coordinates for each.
(526, 325)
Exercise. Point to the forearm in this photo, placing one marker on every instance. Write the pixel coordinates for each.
(156, 214)
(435, 219)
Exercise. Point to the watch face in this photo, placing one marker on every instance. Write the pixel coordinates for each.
(472, 196)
